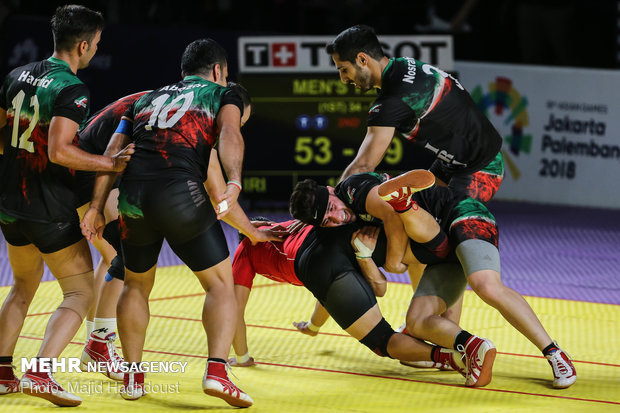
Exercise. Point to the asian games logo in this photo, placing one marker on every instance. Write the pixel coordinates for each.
(504, 102)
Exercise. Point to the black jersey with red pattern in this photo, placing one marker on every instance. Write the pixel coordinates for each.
(95, 136)
(430, 108)
(32, 187)
(175, 128)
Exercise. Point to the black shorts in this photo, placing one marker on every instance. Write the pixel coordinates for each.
(83, 186)
(180, 212)
(326, 265)
(47, 237)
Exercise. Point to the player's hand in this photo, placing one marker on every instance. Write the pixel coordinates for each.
(268, 234)
(367, 236)
(92, 224)
(120, 160)
(226, 201)
(302, 327)
(295, 227)
(234, 363)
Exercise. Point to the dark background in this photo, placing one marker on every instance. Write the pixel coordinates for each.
(143, 41)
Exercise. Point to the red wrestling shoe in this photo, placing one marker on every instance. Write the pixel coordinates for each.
(43, 385)
(216, 383)
(8, 382)
(479, 357)
(398, 191)
(564, 373)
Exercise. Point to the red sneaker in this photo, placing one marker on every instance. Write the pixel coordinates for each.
(8, 382)
(43, 385)
(564, 373)
(133, 386)
(102, 350)
(479, 357)
(216, 383)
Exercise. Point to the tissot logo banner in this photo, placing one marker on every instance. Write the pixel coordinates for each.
(283, 55)
(307, 53)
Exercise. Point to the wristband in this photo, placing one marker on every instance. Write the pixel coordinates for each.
(312, 327)
(235, 183)
(362, 250)
(242, 359)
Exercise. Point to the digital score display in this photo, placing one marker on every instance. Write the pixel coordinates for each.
(308, 126)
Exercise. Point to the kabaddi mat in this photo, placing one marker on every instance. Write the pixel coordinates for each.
(332, 371)
(564, 260)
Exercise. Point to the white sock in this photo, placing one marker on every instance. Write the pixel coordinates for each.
(243, 358)
(108, 323)
(90, 326)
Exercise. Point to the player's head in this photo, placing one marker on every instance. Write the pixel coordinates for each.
(205, 57)
(319, 206)
(352, 51)
(77, 28)
(243, 93)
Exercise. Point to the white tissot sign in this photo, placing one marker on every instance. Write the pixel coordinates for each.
(561, 130)
(306, 54)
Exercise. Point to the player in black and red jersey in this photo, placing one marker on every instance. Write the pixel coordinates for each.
(101, 318)
(42, 104)
(161, 195)
(424, 105)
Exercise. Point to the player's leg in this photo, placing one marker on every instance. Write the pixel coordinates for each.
(198, 240)
(240, 340)
(483, 184)
(27, 265)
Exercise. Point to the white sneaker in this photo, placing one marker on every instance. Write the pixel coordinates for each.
(43, 385)
(564, 373)
(221, 386)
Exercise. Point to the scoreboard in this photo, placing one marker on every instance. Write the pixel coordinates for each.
(308, 126)
(306, 123)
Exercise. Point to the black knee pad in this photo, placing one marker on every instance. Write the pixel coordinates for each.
(117, 268)
(377, 339)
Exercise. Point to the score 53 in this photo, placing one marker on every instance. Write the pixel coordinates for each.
(319, 150)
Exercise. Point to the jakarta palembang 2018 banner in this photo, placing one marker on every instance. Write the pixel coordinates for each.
(561, 130)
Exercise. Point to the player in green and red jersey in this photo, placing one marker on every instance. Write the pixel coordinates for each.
(42, 104)
(424, 105)
(162, 196)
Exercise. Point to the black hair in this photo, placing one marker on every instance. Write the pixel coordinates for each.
(200, 56)
(72, 24)
(243, 94)
(353, 40)
(242, 236)
(302, 204)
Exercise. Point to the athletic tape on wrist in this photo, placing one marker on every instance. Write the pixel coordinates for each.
(362, 250)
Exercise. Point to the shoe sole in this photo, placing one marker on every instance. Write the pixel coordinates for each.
(232, 400)
(418, 180)
(419, 364)
(52, 398)
(486, 372)
(565, 386)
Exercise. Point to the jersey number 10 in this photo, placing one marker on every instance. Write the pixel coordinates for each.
(159, 117)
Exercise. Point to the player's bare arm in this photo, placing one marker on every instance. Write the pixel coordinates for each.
(363, 242)
(230, 148)
(371, 151)
(93, 221)
(397, 238)
(62, 151)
